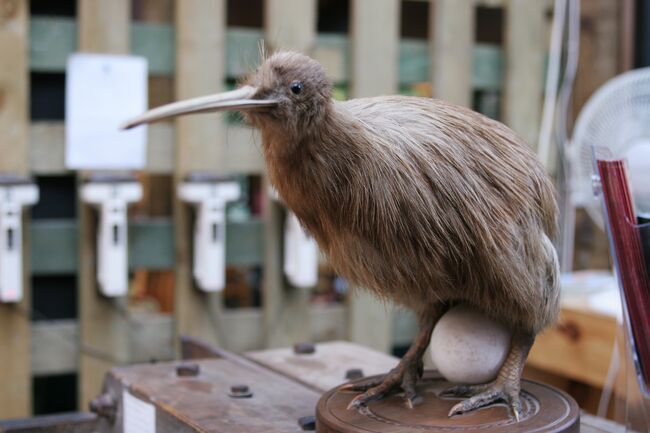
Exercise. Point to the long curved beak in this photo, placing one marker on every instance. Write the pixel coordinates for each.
(239, 99)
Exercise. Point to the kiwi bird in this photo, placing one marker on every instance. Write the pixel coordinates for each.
(420, 201)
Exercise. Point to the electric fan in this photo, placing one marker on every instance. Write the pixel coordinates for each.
(616, 122)
(616, 118)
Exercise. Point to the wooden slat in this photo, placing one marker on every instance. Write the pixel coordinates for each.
(15, 400)
(103, 28)
(200, 44)
(55, 347)
(452, 44)
(202, 404)
(374, 39)
(585, 339)
(525, 48)
(54, 39)
(47, 148)
(286, 308)
(375, 50)
(151, 245)
(47, 237)
(326, 367)
(55, 344)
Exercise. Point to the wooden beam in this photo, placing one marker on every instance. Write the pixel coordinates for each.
(452, 45)
(151, 245)
(328, 364)
(374, 41)
(286, 308)
(15, 399)
(200, 44)
(525, 52)
(103, 28)
(47, 148)
(55, 344)
(55, 347)
(54, 39)
(375, 54)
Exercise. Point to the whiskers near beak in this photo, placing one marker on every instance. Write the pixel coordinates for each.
(239, 99)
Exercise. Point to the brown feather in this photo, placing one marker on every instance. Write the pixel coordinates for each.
(416, 199)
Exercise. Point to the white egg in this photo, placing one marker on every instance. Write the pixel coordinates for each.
(468, 347)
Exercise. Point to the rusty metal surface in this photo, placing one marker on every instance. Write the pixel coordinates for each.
(76, 422)
(211, 401)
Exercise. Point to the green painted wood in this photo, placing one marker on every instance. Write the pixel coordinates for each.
(151, 244)
(54, 245)
(53, 39)
(155, 42)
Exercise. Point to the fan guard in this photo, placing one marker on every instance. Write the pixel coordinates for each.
(617, 118)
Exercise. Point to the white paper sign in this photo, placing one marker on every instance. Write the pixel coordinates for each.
(103, 91)
(139, 416)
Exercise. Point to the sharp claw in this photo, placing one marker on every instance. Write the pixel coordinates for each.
(456, 410)
(355, 403)
(515, 406)
(412, 401)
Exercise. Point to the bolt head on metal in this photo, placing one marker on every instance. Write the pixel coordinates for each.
(353, 374)
(240, 391)
(304, 348)
(307, 422)
(188, 370)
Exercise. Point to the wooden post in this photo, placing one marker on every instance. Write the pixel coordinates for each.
(375, 56)
(200, 43)
(103, 322)
(15, 377)
(286, 309)
(524, 53)
(452, 45)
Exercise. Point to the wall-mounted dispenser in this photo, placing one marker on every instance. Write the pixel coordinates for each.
(209, 194)
(111, 196)
(300, 260)
(300, 254)
(15, 193)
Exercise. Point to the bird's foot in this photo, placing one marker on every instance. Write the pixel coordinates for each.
(405, 375)
(478, 396)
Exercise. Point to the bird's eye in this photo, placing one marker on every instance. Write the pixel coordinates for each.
(296, 87)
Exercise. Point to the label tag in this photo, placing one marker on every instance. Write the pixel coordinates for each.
(102, 92)
(139, 416)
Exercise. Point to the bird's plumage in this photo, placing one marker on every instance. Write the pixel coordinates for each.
(420, 201)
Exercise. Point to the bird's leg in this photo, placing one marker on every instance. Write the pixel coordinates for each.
(505, 387)
(404, 375)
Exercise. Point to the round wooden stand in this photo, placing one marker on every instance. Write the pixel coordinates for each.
(545, 409)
